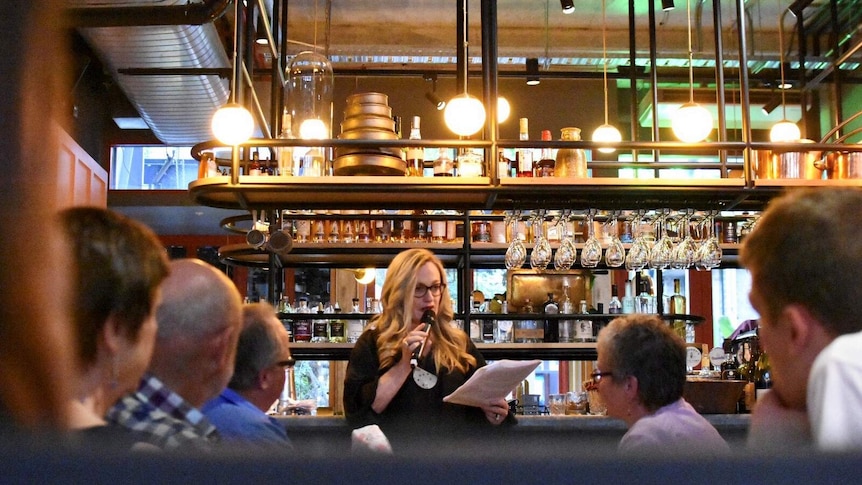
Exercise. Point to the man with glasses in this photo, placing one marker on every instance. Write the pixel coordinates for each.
(263, 353)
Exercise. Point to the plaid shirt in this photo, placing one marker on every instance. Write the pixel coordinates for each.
(163, 415)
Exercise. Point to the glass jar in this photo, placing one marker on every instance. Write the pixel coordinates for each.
(571, 162)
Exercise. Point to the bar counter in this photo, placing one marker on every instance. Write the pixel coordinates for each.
(320, 433)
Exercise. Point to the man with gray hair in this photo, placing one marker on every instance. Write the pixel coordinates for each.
(199, 322)
(239, 412)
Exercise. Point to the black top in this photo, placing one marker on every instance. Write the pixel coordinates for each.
(413, 411)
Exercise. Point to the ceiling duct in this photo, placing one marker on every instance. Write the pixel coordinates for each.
(166, 55)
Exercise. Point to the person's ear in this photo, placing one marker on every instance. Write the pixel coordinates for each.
(630, 387)
(800, 325)
(264, 378)
(112, 335)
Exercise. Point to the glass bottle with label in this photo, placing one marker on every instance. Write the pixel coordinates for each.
(475, 323)
(615, 306)
(528, 331)
(551, 307)
(504, 327)
(355, 326)
(545, 165)
(254, 167)
(415, 155)
(583, 326)
(628, 299)
(311, 164)
(678, 307)
(524, 154)
(320, 326)
(443, 165)
(302, 326)
(567, 327)
(285, 154)
(337, 330)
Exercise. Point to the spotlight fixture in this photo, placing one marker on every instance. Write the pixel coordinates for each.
(667, 5)
(533, 71)
(770, 105)
(260, 35)
(568, 6)
(437, 101)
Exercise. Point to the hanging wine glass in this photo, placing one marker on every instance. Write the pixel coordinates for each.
(615, 254)
(567, 252)
(709, 253)
(541, 255)
(661, 253)
(516, 254)
(684, 253)
(638, 254)
(591, 254)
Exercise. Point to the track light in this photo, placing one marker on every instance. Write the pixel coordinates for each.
(568, 6)
(771, 105)
(667, 5)
(533, 71)
(437, 101)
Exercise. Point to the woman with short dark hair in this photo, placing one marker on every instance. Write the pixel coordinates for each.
(640, 376)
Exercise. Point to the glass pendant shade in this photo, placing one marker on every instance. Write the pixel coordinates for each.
(308, 95)
(232, 124)
(691, 123)
(464, 115)
(607, 133)
(503, 109)
(784, 131)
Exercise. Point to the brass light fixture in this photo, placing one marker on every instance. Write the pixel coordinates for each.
(785, 130)
(692, 122)
(232, 124)
(464, 114)
(606, 132)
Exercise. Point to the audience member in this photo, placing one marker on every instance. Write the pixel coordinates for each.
(119, 265)
(805, 258)
(199, 323)
(640, 376)
(263, 352)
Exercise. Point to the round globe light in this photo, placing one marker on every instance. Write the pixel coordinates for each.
(464, 115)
(691, 123)
(784, 131)
(607, 133)
(503, 109)
(313, 129)
(232, 124)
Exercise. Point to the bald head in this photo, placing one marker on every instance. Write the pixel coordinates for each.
(199, 322)
(197, 300)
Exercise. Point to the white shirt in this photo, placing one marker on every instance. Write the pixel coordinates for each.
(835, 395)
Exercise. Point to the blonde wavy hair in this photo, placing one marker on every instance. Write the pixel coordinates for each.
(393, 322)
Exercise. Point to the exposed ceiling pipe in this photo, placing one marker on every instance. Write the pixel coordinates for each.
(188, 14)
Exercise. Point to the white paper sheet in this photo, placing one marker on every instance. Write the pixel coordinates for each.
(492, 382)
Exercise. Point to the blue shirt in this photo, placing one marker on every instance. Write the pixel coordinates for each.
(238, 420)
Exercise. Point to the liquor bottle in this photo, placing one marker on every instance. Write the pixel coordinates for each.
(355, 326)
(475, 323)
(415, 155)
(551, 307)
(524, 155)
(302, 326)
(545, 165)
(615, 306)
(628, 299)
(320, 326)
(762, 376)
(678, 307)
(528, 331)
(504, 327)
(644, 300)
(334, 232)
(567, 327)
(336, 326)
(285, 154)
(730, 366)
(489, 325)
(254, 167)
(583, 326)
(443, 165)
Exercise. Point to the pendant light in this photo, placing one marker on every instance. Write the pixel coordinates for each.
(785, 130)
(692, 122)
(464, 114)
(606, 132)
(232, 124)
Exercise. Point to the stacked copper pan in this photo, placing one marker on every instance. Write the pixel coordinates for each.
(368, 116)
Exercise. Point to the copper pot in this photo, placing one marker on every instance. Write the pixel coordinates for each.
(842, 165)
(800, 165)
(765, 164)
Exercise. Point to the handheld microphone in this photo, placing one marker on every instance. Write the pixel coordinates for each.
(428, 318)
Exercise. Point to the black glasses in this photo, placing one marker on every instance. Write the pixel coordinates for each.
(597, 375)
(422, 290)
(286, 363)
